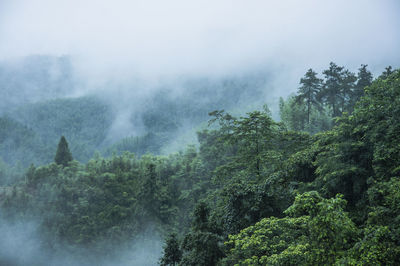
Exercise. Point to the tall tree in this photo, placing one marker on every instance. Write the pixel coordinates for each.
(385, 74)
(63, 155)
(364, 79)
(307, 93)
(331, 92)
(346, 91)
(252, 138)
(202, 245)
(172, 251)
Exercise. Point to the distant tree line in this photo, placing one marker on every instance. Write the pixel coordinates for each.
(319, 101)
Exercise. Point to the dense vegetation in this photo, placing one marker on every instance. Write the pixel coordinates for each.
(321, 187)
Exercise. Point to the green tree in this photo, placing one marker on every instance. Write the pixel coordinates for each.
(385, 74)
(330, 94)
(377, 119)
(337, 88)
(251, 137)
(307, 93)
(63, 155)
(294, 117)
(347, 88)
(364, 79)
(172, 251)
(202, 245)
(316, 231)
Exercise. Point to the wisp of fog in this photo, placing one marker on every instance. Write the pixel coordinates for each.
(131, 53)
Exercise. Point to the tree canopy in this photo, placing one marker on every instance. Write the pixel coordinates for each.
(253, 192)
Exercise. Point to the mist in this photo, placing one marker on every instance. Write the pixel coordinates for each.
(22, 244)
(155, 40)
(140, 58)
(127, 50)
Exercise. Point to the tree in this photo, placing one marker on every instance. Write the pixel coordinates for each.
(347, 89)
(63, 155)
(364, 79)
(337, 89)
(251, 137)
(385, 74)
(172, 252)
(307, 93)
(202, 245)
(377, 117)
(148, 193)
(331, 90)
(316, 231)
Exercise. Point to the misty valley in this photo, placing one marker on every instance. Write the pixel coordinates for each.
(209, 170)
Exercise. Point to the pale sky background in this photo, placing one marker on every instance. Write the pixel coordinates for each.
(149, 39)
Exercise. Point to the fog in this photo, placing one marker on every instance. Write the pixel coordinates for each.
(126, 50)
(22, 244)
(131, 52)
(129, 49)
(153, 40)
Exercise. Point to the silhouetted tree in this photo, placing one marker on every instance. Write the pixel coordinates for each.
(63, 155)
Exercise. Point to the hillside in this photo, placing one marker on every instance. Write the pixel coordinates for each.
(252, 193)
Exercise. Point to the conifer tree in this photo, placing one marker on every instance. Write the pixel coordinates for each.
(347, 89)
(172, 251)
(331, 92)
(364, 79)
(307, 93)
(63, 155)
(385, 74)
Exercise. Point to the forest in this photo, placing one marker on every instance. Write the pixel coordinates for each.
(318, 186)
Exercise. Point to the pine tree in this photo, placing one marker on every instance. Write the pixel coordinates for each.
(338, 87)
(347, 89)
(364, 79)
(331, 92)
(385, 74)
(307, 93)
(63, 155)
(172, 251)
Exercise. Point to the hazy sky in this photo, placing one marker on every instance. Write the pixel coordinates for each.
(150, 38)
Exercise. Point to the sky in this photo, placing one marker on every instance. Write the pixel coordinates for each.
(151, 39)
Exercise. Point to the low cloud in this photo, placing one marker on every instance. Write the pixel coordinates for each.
(153, 39)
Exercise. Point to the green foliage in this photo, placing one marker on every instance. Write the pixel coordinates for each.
(202, 245)
(332, 92)
(294, 116)
(63, 155)
(379, 246)
(272, 195)
(172, 253)
(364, 79)
(385, 74)
(317, 231)
(309, 91)
(377, 118)
(252, 141)
(318, 102)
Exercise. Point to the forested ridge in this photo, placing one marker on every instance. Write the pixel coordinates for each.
(320, 187)
(42, 99)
